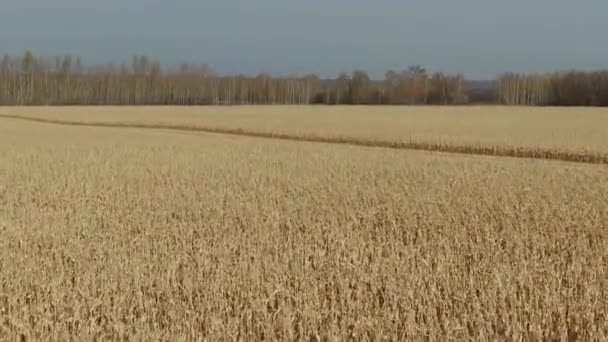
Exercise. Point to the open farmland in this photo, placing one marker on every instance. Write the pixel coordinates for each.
(551, 133)
(150, 233)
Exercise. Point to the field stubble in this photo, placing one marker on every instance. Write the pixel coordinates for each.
(149, 234)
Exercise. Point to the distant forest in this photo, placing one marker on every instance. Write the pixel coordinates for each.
(33, 80)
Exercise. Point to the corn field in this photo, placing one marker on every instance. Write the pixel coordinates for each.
(142, 232)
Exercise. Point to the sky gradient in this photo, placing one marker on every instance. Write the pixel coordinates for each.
(479, 38)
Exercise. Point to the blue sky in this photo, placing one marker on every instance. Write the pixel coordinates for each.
(479, 38)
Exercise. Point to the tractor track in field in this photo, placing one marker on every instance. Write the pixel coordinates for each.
(586, 157)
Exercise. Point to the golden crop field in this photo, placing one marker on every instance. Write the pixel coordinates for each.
(158, 234)
(575, 130)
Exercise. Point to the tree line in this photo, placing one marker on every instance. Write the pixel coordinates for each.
(32, 80)
(572, 88)
(65, 80)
